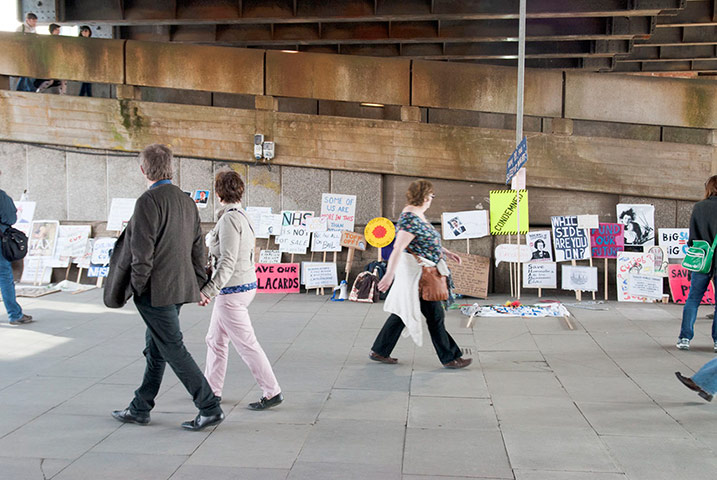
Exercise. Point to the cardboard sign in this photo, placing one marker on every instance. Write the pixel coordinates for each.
(36, 270)
(607, 240)
(317, 224)
(632, 263)
(679, 281)
(72, 240)
(645, 286)
(571, 242)
(588, 221)
(101, 250)
(469, 224)
(503, 212)
(83, 261)
(509, 253)
(471, 277)
(660, 255)
(25, 214)
(540, 275)
(674, 240)
(43, 238)
(277, 278)
(295, 218)
(293, 239)
(269, 224)
(340, 210)
(270, 256)
(516, 160)
(326, 242)
(121, 211)
(579, 278)
(379, 232)
(541, 248)
(639, 223)
(254, 215)
(319, 274)
(353, 240)
(98, 271)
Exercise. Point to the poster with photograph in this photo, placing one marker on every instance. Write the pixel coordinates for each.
(340, 211)
(570, 241)
(584, 279)
(25, 214)
(43, 238)
(121, 210)
(201, 198)
(540, 275)
(468, 224)
(638, 221)
(541, 249)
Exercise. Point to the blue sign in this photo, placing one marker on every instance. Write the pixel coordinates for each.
(517, 160)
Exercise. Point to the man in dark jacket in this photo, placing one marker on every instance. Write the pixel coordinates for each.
(8, 217)
(167, 270)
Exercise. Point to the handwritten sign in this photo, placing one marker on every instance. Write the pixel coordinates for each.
(269, 224)
(379, 232)
(571, 242)
(353, 240)
(254, 214)
(540, 275)
(277, 278)
(504, 212)
(471, 277)
(326, 242)
(101, 250)
(469, 224)
(36, 270)
(679, 281)
(516, 160)
(270, 256)
(121, 211)
(674, 240)
(317, 224)
(25, 214)
(340, 210)
(659, 253)
(72, 240)
(293, 239)
(632, 263)
(645, 286)
(319, 274)
(579, 278)
(588, 221)
(509, 253)
(607, 240)
(295, 218)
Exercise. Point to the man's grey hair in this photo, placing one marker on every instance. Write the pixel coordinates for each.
(156, 161)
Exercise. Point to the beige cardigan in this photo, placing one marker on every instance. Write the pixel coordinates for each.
(231, 242)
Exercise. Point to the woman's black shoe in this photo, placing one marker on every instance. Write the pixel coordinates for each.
(265, 403)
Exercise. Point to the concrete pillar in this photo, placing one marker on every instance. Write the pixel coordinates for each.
(562, 126)
(4, 82)
(129, 92)
(266, 102)
(410, 114)
(712, 140)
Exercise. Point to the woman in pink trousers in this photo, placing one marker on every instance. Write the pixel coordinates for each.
(233, 283)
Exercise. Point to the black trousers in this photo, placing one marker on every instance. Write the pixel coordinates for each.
(445, 346)
(165, 345)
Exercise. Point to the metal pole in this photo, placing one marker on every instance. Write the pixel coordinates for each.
(519, 119)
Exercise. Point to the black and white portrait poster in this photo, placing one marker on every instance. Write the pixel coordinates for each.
(541, 249)
(639, 225)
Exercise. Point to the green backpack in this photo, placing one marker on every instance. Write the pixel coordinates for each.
(698, 257)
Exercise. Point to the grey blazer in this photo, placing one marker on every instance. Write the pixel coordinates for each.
(167, 247)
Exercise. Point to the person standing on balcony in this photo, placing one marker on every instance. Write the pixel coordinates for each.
(86, 88)
(25, 84)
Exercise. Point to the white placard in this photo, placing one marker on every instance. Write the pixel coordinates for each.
(540, 275)
(326, 242)
(43, 238)
(36, 270)
(83, 261)
(72, 240)
(340, 211)
(628, 264)
(645, 286)
(570, 242)
(674, 240)
(121, 211)
(639, 222)
(101, 250)
(295, 217)
(468, 224)
(254, 214)
(509, 253)
(270, 256)
(541, 249)
(317, 224)
(269, 224)
(319, 274)
(588, 221)
(579, 278)
(25, 214)
(293, 239)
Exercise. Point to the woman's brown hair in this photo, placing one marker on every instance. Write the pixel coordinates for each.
(711, 187)
(418, 191)
(229, 186)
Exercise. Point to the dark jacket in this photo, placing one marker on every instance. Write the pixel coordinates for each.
(8, 211)
(703, 223)
(166, 247)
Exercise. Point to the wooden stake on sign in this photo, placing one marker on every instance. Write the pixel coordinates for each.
(605, 278)
(468, 246)
(324, 260)
(591, 264)
(379, 258)
(67, 271)
(268, 241)
(292, 258)
(349, 261)
(79, 273)
(510, 264)
(517, 267)
(577, 293)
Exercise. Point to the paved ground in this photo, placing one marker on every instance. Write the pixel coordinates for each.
(541, 401)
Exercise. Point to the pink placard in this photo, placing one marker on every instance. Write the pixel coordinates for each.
(680, 285)
(277, 277)
(607, 240)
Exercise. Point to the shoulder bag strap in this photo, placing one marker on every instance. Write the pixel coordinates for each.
(244, 215)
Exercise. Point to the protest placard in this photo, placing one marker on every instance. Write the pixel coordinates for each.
(503, 212)
(201, 198)
(270, 256)
(659, 253)
(540, 275)
(679, 281)
(326, 241)
(72, 240)
(98, 271)
(648, 286)
(588, 221)
(36, 270)
(674, 240)
(293, 239)
(277, 278)
(121, 210)
(101, 250)
(340, 210)
(319, 274)
(379, 232)
(607, 240)
(639, 223)
(353, 240)
(471, 276)
(25, 214)
(570, 242)
(632, 263)
(254, 215)
(269, 224)
(317, 224)
(584, 279)
(468, 224)
(295, 218)
(43, 238)
(509, 253)
(541, 248)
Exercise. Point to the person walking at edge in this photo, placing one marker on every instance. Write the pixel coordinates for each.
(233, 282)
(8, 217)
(703, 226)
(407, 308)
(167, 270)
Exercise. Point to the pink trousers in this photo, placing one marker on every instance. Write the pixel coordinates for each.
(230, 321)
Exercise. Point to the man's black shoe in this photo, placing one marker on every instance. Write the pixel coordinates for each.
(125, 416)
(201, 422)
(265, 403)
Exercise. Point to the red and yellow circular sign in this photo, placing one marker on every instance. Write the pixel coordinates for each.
(379, 232)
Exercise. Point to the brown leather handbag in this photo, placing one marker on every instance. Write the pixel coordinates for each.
(433, 287)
